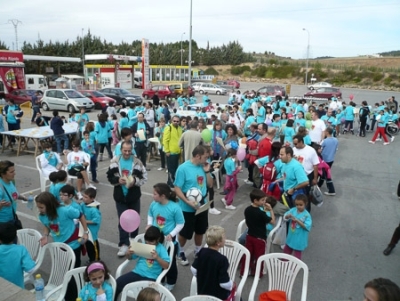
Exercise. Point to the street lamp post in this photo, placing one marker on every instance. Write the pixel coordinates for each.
(190, 45)
(308, 54)
(182, 50)
(83, 57)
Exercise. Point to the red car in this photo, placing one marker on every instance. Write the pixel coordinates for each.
(164, 92)
(21, 95)
(328, 93)
(272, 91)
(100, 100)
(234, 83)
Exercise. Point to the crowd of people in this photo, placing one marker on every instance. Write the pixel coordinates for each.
(289, 150)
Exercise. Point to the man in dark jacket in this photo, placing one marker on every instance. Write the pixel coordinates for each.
(127, 174)
(56, 124)
(140, 131)
(156, 100)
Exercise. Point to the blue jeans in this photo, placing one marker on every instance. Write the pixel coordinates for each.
(60, 138)
(93, 167)
(35, 111)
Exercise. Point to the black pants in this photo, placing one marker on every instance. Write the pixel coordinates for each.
(123, 235)
(127, 278)
(108, 147)
(362, 126)
(211, 196)
(250, 168)
(93, 250)
(72, 290)
(172, 274)
(395, 237)
(310, 177)
(162, 157)
(141, 151)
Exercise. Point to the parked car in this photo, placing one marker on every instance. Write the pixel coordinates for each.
(210, 89)
(324, 93)
(224, 84)
(272, 91)
(319, 85)
(65, 100)
(234, 83)
(22, 95)
(182, 88)
(164, 91)
(121, 95)
(100, 100)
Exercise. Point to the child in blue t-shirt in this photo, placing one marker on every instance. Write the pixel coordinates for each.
(231, 183)
(90, 208)
(97, 288)
(146, 268)
(11, 253)
(300, 223)
(289, 132)
(58, 179)
(167, 215)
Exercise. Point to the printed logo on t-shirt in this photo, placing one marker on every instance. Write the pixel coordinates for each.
(150, 262)
(160, 221)
(200, 180)
(55, 228)
(293, 225)
(300, 159)
(125, 172)
(14, 195)
(313, 127)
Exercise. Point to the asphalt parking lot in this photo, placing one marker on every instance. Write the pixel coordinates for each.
(349, 231)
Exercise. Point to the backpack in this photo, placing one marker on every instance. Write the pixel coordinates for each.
(269, 174)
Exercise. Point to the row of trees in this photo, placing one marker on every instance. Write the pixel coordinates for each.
(160, 54)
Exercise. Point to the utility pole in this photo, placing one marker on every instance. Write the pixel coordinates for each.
(308, 53)
(15, 23)
(83, 57)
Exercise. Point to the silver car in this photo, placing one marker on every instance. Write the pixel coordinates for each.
(65, 100)
(210, 89)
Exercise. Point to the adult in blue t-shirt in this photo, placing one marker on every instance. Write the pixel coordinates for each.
(194, 173)
(349, 118)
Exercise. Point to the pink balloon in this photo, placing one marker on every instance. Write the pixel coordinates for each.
(129, 220)
(241, 154)
(351, 96)
(269, 122)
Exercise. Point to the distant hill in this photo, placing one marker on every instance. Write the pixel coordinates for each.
(323, 57)
(391, 53)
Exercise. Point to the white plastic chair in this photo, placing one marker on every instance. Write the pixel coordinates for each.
(62, 259)
(30, 238)
(282, 270)
(201, 298)
(72, 178)
(169, 245)
(78, 275)
(234, 252)
(133, 289)
(42, 177)
(217, 171)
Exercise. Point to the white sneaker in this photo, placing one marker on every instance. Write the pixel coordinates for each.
(248, 182)
(231, 207)
(378, 139)
(214, 211)
(91, 186)
(160, 168)
(122, 250)
(223, 201)
(330, 193)
(166, 170)
(79, 195)
(392, 139)
(372, 142)
(386, 143)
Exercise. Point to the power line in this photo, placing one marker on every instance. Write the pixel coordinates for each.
(15, 23)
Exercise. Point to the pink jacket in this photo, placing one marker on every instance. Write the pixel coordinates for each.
(323, 165)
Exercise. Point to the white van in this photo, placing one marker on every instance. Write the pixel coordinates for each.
(137, 79)
(36, 82)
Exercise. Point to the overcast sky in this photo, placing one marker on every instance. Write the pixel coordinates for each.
(337, 28)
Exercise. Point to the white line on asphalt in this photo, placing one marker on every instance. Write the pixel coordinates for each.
(28, 167)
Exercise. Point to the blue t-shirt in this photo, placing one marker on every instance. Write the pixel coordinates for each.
(54, 189)
(89, 292)
(297, 236)
(92, 214)
(6, 212)
(17, 256)
(230, 166)
(123, 123)
(88, 147)
(329, 147)
(10, 117)
(248, 122)
(205, 100)
(189, 176)
(63, 226)
(126, 166)
(349, 113)
(51, 158)
(300, 122)
(293, 174)
(166, 217)
(150, 268)
(307, 139)
(102, 130)
(132, 116)
(84, 119)
(289, 133)
(261, 114)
